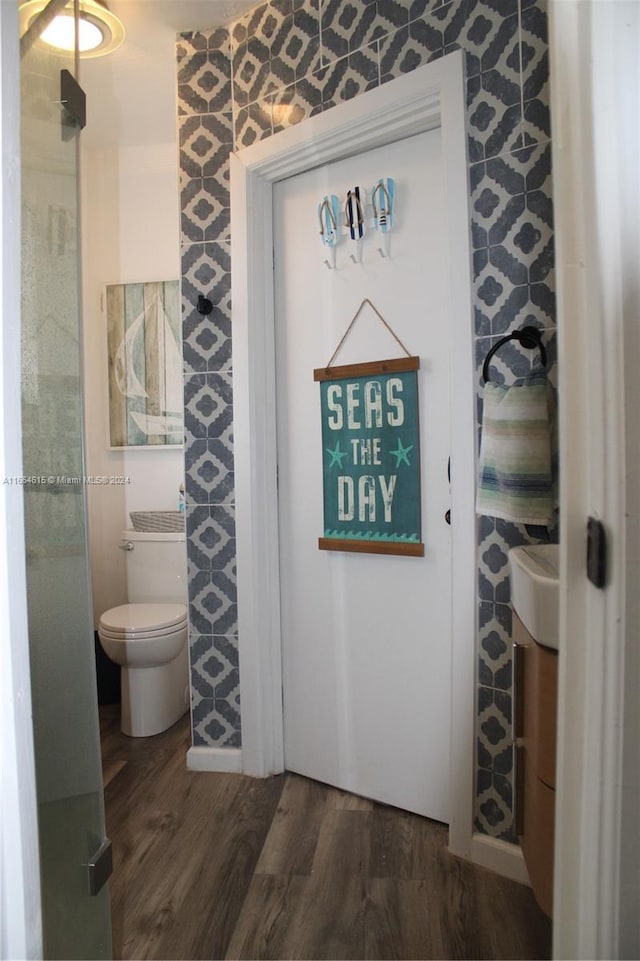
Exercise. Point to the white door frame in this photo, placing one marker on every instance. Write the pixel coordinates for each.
(430, 97)
(595, 86)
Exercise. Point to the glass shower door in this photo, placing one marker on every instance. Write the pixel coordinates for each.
(76, 922)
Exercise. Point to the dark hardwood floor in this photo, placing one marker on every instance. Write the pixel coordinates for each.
(224, 866)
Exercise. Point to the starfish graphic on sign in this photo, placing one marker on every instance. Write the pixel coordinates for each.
(401, 454)
(336, 456)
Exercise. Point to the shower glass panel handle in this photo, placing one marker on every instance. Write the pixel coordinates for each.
(75, 855)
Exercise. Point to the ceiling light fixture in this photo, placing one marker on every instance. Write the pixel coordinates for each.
(99, 30)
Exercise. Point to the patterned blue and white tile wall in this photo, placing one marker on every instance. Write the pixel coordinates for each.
(281, 63)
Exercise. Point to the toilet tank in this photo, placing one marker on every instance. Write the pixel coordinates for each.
(156, 567)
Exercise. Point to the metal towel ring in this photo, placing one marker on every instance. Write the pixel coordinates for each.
(528, 337)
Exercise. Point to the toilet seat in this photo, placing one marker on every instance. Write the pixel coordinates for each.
(141, 621)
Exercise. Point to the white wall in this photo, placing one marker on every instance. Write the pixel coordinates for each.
(130, 233)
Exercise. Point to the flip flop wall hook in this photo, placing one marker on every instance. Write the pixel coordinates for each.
(354, 215)
(328, 217)
(382, 197)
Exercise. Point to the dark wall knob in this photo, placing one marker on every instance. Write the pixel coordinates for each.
(204, 305)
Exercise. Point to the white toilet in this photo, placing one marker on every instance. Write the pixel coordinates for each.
(148, 636)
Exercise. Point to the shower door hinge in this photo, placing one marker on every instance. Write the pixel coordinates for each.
(100, 867)
(74, 104)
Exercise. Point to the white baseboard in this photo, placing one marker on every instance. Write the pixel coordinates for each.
(224, 759)
(499, 856)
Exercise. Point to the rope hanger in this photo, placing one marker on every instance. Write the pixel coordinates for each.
(349, 328)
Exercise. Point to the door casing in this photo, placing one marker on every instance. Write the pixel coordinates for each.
(429, 97)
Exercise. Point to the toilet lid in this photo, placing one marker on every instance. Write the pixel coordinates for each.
(141, 618)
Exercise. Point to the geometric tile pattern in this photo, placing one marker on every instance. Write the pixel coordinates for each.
(206, 338)
(272, 49)
(512, 237)
(535, 73)
(279, 64)
(205, 133)
(216, 690)
(204, 72)
(204, 144)
(494, 760)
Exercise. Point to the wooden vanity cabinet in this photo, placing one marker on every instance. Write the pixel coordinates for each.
(536, 693)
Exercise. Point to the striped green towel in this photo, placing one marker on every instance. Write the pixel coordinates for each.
(516, 479)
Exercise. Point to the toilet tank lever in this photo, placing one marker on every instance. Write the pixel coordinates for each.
(127, 546)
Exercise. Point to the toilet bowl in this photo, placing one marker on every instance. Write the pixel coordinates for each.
(149, 641)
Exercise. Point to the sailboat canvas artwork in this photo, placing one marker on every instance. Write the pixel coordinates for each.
(145, 364)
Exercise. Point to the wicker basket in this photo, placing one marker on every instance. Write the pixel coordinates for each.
(157, 522)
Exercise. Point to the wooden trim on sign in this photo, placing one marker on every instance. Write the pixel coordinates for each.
(370, 547)
(394, 366)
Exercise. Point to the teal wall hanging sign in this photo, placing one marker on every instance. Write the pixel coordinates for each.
(371, 457)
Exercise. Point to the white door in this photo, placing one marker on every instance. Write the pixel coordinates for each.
(366, 639)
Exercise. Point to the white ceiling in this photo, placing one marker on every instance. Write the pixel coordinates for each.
(180, 15)
(131, 92)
